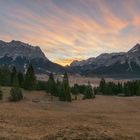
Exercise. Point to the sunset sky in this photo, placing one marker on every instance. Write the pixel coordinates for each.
(72, 29)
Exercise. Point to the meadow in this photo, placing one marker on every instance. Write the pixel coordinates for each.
(38, 118)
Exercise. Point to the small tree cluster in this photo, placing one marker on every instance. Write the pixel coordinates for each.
(16, 94)
(89, 93)
(129, 88)
(59, 89)
(5, 74)
(16, 78)
(86, 90)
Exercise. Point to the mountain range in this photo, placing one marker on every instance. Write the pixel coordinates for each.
(19, 54)
(123, 63)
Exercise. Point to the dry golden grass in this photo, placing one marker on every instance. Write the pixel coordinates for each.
(37, 118)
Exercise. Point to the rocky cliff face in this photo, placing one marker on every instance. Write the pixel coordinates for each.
(19, 54)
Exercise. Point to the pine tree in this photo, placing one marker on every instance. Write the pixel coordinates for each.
(74, 89)
(61, 91)
(65, 95)
(89, 92)
(14, 80)
(102, 86)
(1, 94)
(65, 80)
(20, 78)
(58, 87)
(68, 94)
(51, 85)
(30, 79)
(5, 76)
(16, 94)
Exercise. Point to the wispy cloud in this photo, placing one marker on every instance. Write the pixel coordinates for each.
(72, 29)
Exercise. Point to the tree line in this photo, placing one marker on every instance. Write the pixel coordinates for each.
(28, 81)
(129, 88)
(17, 78)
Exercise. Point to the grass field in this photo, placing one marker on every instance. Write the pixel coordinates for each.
(38, 118)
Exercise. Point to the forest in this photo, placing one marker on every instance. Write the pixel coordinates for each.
(56, 88)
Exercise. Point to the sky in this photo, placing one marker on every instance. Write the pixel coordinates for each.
(68, 30)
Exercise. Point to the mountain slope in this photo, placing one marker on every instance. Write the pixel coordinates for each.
(19, 54)
(110, 64)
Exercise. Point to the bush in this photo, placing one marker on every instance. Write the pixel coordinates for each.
(41, 85)
(1, 94)
(16, 94)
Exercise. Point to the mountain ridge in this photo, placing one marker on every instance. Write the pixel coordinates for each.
(110, 63)
(20, 54)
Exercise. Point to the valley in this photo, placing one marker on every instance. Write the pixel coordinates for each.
(69, 69)
(38, 118)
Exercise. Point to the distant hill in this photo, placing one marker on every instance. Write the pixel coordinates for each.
(19, 54)
(123, 63)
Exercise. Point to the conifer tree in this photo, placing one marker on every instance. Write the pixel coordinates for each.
(51, 85)
(89, 92)
(102, 85)
(5, 76)
(66, 95)
(14, 80)
(30, 78)
(61, 92)
(1, 94)
(20, 78)
(74, 89)
(58, 87)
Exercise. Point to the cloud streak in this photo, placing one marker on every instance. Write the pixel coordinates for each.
(72, 29)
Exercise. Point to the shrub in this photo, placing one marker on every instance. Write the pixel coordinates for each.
(1, 94)
(16, 94)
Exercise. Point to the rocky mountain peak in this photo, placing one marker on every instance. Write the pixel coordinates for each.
(136, 48)
(15, 49)
(20, 54)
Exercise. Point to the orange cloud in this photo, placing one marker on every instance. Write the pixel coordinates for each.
(136, 21)
(66, 61)
(74, 33)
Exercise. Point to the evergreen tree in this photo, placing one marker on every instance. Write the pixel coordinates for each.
(89, 92)
(102, 85)
(65, 94)
(65, 80)
(13, 75)
(61, 92)
(67, 87)
(14, 80)
(1, 94)
(58, 87)
(16, 94)
(68, 94)
(5, 76)
(20, 79)
(51, 85)
(30, 79)
(74, 89)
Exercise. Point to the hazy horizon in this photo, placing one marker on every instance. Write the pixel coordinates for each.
(68, 30)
